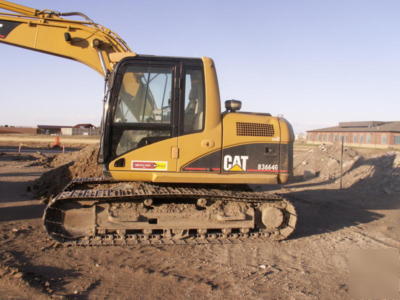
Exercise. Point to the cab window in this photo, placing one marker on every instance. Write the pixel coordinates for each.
(194, 101)
(145, 95)
(144, 106)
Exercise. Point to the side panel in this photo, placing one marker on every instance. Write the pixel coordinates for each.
(251, 143)
(252, 158)
(210, 162)
(259, 158)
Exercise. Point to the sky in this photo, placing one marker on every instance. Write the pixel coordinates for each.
(315, 62)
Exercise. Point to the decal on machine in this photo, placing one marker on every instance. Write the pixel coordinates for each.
(236, 163)
(6, 27)
(149, 165)
(267, 167)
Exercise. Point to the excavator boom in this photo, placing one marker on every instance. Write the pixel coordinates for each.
(47, 31)
(20, 9)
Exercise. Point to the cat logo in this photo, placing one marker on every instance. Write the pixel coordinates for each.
(236, 163)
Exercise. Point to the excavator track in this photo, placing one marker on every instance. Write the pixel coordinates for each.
(96, 211)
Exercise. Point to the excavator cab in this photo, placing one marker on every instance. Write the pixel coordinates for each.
(153, 100)
(164, 124)
(146, 104)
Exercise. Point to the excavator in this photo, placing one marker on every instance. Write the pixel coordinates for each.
(174, 165)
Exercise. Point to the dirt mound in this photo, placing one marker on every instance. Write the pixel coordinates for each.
(67, 166)
(324, 161)
(376, 173)
(368, 172)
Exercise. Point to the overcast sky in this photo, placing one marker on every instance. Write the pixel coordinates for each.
(314, 62)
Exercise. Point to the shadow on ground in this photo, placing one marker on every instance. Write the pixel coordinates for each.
(48, 279)
(322, 207)
(26, 212)
(16, 203)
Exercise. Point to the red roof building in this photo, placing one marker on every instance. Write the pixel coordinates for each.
(374, 134)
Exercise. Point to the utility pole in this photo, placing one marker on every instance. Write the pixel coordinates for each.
(341, 162)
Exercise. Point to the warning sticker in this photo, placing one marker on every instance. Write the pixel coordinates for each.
(149, 165)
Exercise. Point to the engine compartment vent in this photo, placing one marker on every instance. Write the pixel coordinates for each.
(254, 129)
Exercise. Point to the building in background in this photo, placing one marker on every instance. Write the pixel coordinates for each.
(374, 134)
(86, 129)
(50, 129)
(79, 129)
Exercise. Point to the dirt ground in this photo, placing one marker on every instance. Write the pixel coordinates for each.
(314, 263)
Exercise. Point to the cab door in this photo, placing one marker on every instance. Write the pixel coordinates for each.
(142, 120)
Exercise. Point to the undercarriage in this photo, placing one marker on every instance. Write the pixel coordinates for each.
(94, 211)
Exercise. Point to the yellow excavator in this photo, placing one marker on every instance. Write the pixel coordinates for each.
(174, 165)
